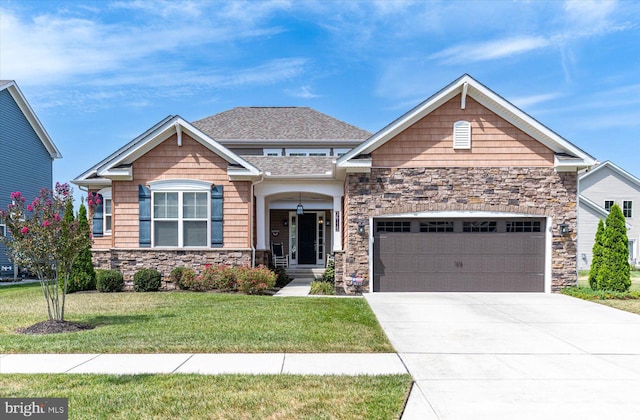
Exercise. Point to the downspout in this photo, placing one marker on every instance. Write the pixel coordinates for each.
(252, 224)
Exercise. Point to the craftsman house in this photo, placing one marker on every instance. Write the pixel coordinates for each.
(465, 192)
(26, 155)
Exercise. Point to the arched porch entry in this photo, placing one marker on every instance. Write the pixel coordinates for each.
(305, 217)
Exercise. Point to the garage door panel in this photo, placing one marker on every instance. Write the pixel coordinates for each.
(478, 261)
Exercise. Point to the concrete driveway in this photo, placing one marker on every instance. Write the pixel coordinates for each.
(514, 355)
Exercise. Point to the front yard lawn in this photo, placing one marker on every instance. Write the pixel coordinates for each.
(189, 322)
(219, 397)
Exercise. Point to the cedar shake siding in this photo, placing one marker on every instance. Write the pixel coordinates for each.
(168, 161)
(494, 142)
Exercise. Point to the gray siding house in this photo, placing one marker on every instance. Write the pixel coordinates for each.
(599, 189)
(26, 154)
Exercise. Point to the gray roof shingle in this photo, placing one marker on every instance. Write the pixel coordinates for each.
(277, 123)
(277, 166)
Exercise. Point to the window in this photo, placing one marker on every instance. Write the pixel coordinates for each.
(107, 211)
(436, 226)
(340, 152)
(626, 208)
(523, 226)
(393, 227)
(462, 135)
(272, 152)
(3, 231)
(608, 204)
(180, 213)
(477, 227)
(107, 216)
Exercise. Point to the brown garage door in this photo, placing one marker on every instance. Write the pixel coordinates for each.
(459, 255)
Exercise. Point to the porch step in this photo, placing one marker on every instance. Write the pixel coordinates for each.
(300, 273)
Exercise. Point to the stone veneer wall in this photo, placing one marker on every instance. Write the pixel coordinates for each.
(532, 190)
(128, 261)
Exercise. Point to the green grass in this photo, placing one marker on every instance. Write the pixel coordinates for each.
(583, 280)
(217, 397)
(178, 322)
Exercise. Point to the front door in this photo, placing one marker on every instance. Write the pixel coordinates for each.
(307, 238)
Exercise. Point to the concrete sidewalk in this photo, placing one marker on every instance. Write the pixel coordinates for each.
(207, 364)
(297, 287)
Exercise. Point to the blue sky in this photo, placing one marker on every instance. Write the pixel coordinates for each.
(98, 73)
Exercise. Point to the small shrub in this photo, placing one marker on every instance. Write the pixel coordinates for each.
(79, 281)
(194, 283)
(282, 278)
(224, 277)
(183, 277)
(109, 280)
(255, 280)
(329, 274)
(147, 280)
(322, 288)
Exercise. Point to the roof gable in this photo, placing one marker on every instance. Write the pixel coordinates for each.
(616, 170)
(30, 115)
(467, 86)
(117, 166)
(286, 124)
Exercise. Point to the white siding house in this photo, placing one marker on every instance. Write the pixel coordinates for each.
(599, 189)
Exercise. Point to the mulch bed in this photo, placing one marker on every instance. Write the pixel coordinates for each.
(54, 327)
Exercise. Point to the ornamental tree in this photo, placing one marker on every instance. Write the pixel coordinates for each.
(614, 272)
(44, 243)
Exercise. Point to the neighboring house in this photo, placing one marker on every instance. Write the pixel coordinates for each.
(26, 154)
(599, 189)
(464, 192)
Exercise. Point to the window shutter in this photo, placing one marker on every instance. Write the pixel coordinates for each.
(96, 228)
(144, 207)
(216, 216)
(462, 135)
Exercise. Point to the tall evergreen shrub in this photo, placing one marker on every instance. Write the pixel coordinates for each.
(614, 272)
(597, 256)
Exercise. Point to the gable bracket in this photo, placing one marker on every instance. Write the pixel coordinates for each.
(463, 101)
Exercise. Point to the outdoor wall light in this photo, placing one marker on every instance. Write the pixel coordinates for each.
(361, 228)
(300, 209)
(564, 229)
(321, 221)
(285, 222)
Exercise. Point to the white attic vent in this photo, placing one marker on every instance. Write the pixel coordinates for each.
(462, 135)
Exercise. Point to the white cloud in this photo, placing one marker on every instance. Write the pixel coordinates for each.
(302, 92)
(527, 101)
(490, 50)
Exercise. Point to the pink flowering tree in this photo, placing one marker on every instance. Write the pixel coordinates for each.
(43, 242)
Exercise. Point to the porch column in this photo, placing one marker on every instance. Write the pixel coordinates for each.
(261, 215)
(337, 222)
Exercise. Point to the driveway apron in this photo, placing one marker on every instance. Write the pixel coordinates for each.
(513, 355)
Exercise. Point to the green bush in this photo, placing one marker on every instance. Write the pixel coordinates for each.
(329, 274)
(79, 281)
(223, 277)
(109, 280)
(255, 280)
(282, 278)
(614, 272)
(597, 256)
(147, 280)
(183, 277)
(322, 288)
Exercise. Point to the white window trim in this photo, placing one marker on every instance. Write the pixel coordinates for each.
(462, 135)
(337, 152)
(181, 186)
(106, 195)
(307, 151)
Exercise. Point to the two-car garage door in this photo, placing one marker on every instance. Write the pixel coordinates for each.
(459, 255)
